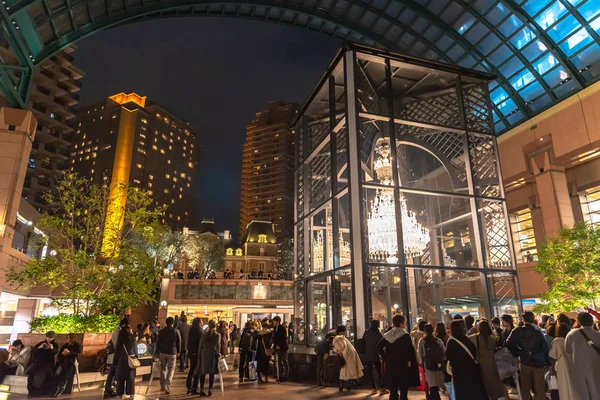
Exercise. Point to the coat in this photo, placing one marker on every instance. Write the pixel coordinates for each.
(122, 352)
(224, 332)
(397, 351)
(114, 336)
(433, 378)
(262, 360)
(353, 368)
(371, 339)
(65, 365)
(487, 363)
(585, 361)
(280, 339)
(184, 330)
(193, 342)
(466, 374)
(563, 369)
(20, 360)
(41, 371)
(208, 354)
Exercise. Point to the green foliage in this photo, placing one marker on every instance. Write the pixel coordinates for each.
(570, 263)
(70, 323)
(84, 278)
(204, 252)
(285, 261)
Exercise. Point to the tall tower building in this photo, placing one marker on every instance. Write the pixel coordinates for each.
(53, 94)
(268, 170)
(125, 138)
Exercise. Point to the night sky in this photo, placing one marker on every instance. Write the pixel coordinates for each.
(213, 72)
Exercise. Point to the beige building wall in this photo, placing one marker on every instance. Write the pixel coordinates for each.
(549, 164)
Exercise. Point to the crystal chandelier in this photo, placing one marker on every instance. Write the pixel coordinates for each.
(319, 251)
(381, 223)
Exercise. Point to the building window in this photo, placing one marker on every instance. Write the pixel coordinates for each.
(229, 252)
(590, 205)
(524, 236)
(238, 252)
(261, 266)
(150, 177)
(262, 238)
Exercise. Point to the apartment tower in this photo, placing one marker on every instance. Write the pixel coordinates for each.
(268, 170)
(125, 138)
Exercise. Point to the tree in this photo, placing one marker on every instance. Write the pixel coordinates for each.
(203, 252)
(285, 261)
(80, 277)
(570, 263)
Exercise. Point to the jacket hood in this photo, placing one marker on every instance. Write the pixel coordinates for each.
(394, 334)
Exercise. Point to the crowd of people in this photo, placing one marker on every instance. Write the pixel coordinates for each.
(230, 274)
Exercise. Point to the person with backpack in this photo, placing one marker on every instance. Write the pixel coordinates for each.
(431, 353)
(527, 342)
(582, 349)
(371, 339)
(247, 346)
(486, 344)
(461, 354)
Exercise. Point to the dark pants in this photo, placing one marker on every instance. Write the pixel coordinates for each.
(192, 379)
(211, 381)
(533, 378)
(126, 386)
(110, 379)
(322, 364)
(369, 372)
(434, 393)
(5, 370)
(245, 358)
(394, 392)
(282, 362)
(182, 359)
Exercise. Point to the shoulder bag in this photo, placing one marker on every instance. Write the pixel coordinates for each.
(448, 366)
(268, 350)
(589, 341)
(132, 362)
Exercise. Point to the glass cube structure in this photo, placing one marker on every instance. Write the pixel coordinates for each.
(399, 199)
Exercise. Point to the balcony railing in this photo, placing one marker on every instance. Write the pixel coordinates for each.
(232, 289)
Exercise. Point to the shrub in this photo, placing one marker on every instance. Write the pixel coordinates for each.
(69, 323)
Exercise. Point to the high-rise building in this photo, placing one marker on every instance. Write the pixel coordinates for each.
(268, 170)
(52, 97)
(125, 138)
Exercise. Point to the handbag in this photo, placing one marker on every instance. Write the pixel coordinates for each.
(132, 362)
(268, 350)
(223, 367)
(506, 363)
(552, 381)
(340, 360)
(423, 387)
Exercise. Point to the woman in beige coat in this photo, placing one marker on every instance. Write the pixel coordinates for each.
(562, 367)
(352, 368)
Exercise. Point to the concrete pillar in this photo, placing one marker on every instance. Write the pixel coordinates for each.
(17, 131)
(555, 201)
(26, 310)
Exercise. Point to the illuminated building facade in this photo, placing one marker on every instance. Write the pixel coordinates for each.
(268, 170)
(399, 198)
(125, 138)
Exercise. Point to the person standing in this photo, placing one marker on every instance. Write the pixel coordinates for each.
(209, 354)
(223, 332)
(350, 368)
(168, 348)
(562, 364)
(247, 345)
(184, 330)
(65, 365)
(193, 345)
(486, 344)
(400, 359)
(41, 371)
(17, 362)
(371, 339)
(280, 344)
(322, 350)
(528, 343)
(263, 354)
(582, 348)
(110, 349)
(440, 332)
(431, 353)
(233, 336)
(461, 354)
(125, 376)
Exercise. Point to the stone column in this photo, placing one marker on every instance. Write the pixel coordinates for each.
(26, 310)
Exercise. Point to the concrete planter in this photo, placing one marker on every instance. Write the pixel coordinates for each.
(92, 343)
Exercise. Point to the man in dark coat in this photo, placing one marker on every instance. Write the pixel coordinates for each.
(280, 343)
(193, 345)
(400, 360)
(168, 348)
(41, 371)
(184, 330)
(65, 365)
(371, 339)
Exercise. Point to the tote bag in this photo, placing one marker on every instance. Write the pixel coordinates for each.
(132, 362)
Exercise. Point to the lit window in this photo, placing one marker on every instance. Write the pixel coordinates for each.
(139, 165)
(94, 155)
(168, 161)
(150, 192)
(167, 176)
(524, 236)
(238, 252)
(144, 120)
(113, 116)
(174, 179)
(75, 146)
(182, 174)
(262, 238)
(136, 181)
(229, 252)
(178, 218)
(166, 191)
(187, 184)
(180, 196)
(163, 152)
(154, 147)
(149, 184)
(150, 177)
(590, 205)
(158, 116)
(92, 171)
(172, 201)
(191, 165)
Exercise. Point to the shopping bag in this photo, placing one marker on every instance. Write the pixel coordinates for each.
(506, 362)
(223, 367)
(450, 390)
(423, 387)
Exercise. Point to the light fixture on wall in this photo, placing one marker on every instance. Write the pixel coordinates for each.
(381, 223)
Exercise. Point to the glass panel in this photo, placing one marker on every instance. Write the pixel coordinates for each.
(299, 304)
(319, 306)
(340, 91)
(475, 103)
(431, 159)
(438, 230)
(343, 313)
(386, 297)
(424, 95)
(317, 115)
(590, 205)
(299, 179)
(432, 292)
(524, 236)
(373, 133)
(505, 299)
(371, 85)
(381, 238)
(320, 177)
(321, 241)
(495, 234)
(299, 250)
(484, 165)
(345, 255)
(342, 158)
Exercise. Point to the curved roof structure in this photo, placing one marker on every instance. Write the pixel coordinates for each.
(542, 51)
